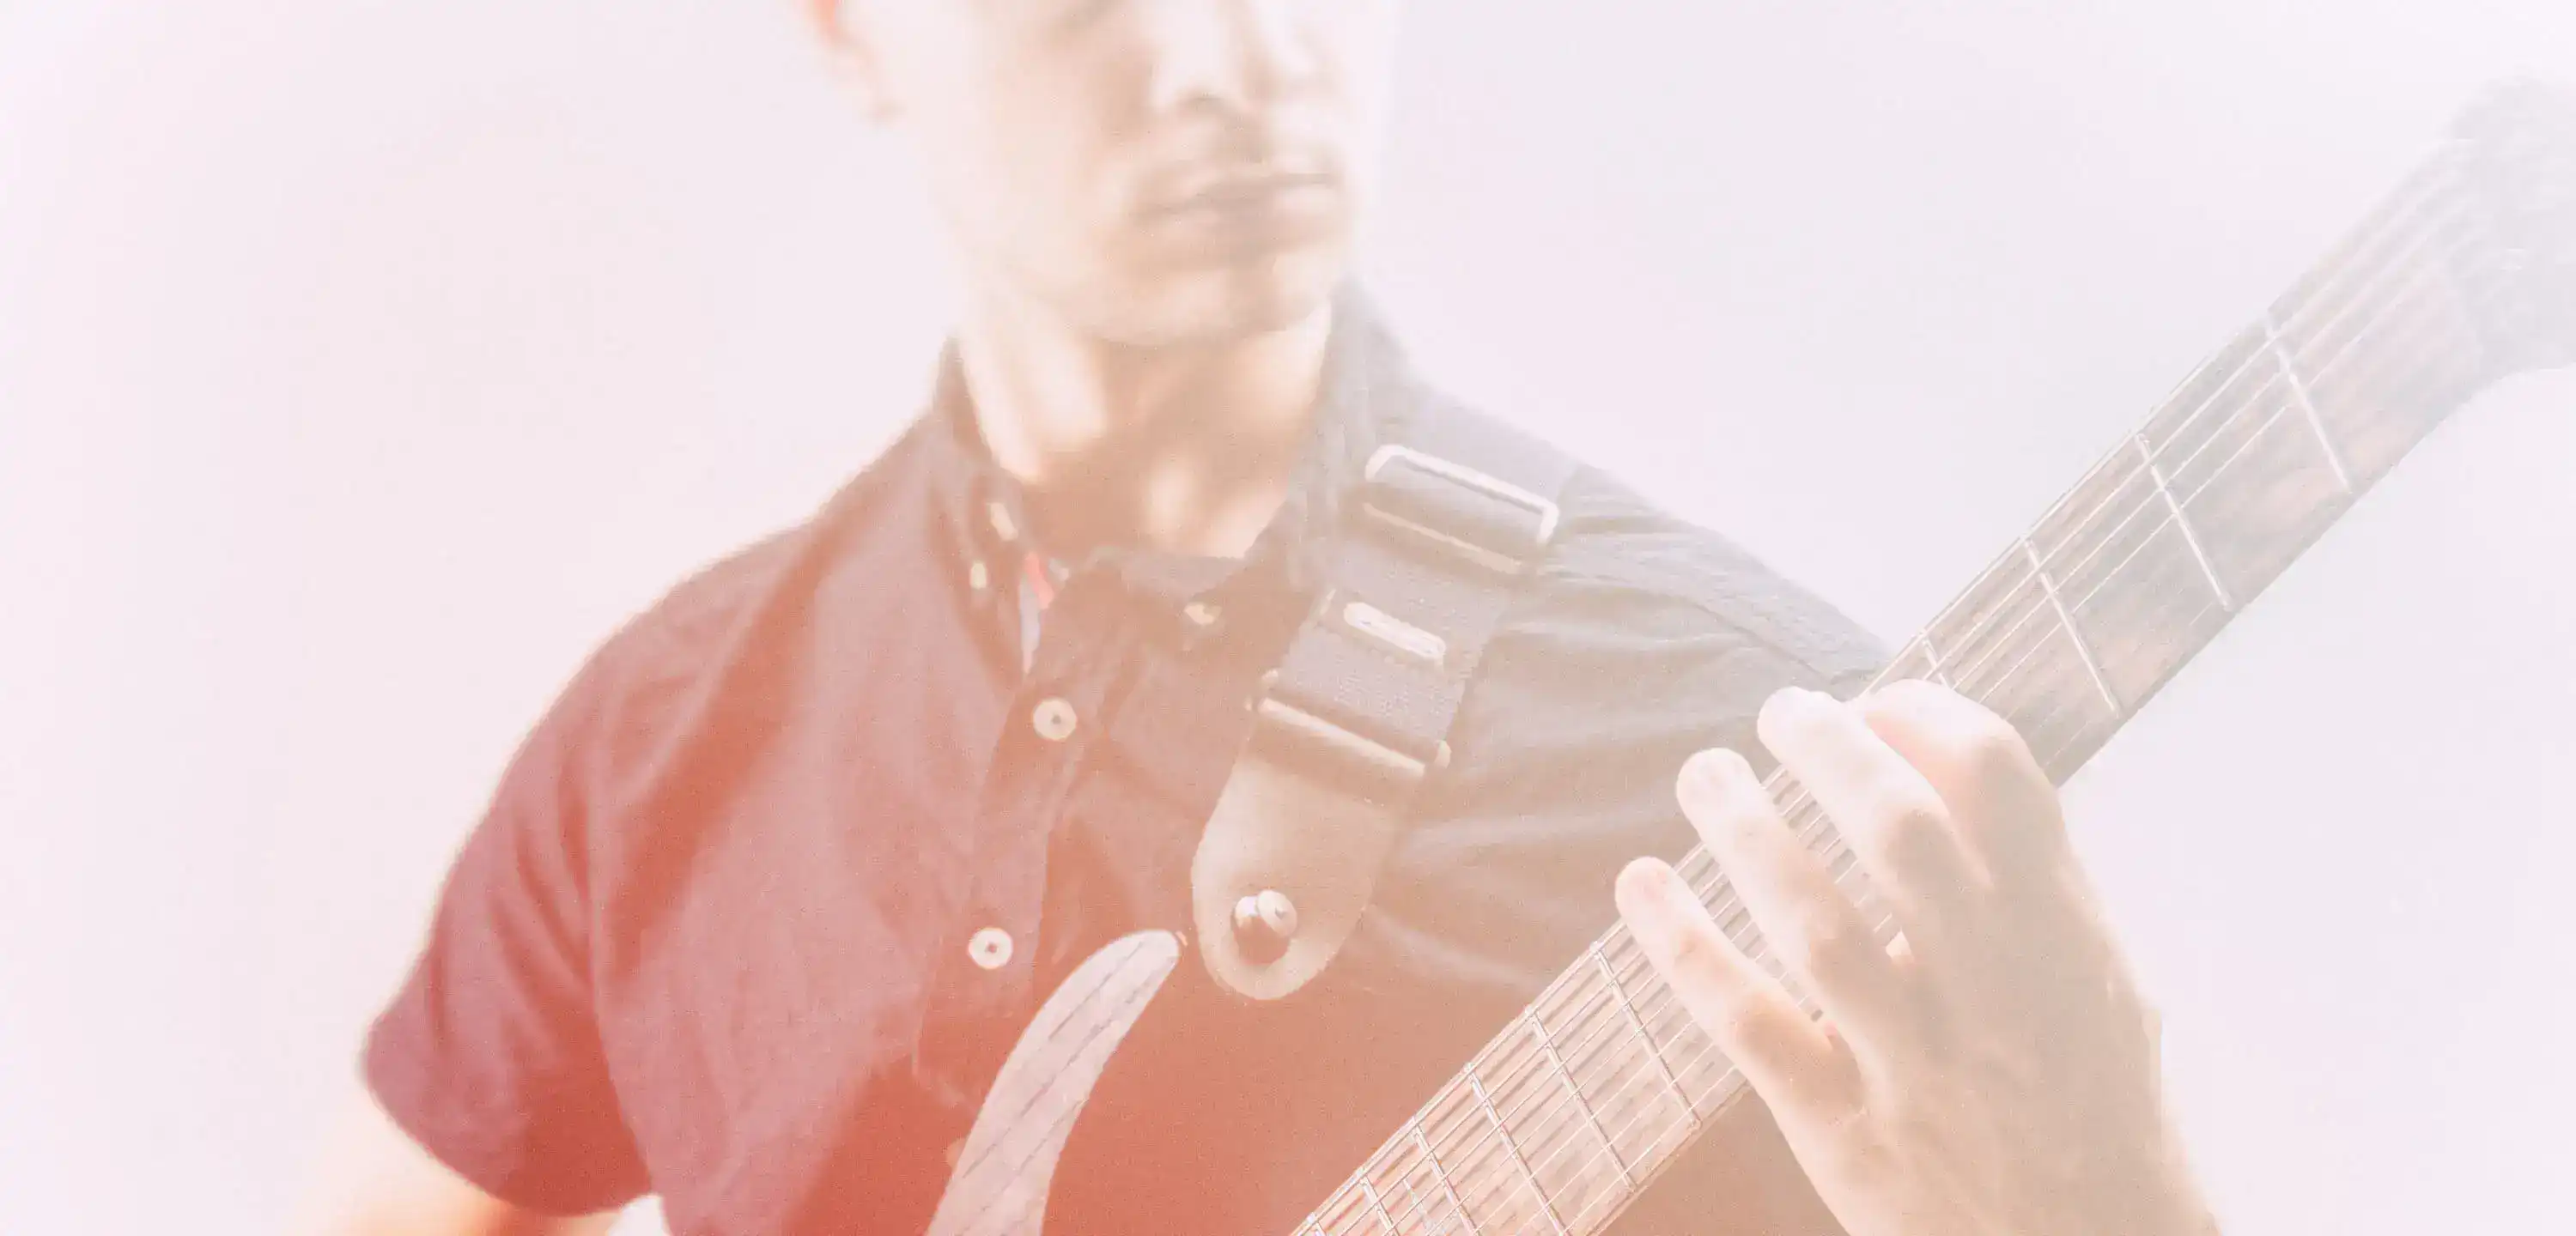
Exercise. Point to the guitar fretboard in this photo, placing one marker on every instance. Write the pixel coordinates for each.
(1575, 1107)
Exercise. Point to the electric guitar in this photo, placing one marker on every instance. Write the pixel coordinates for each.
(2464, 275)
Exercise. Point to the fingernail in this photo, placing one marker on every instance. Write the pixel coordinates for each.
(1708, 775)
(1789, 702)
(1651, 892)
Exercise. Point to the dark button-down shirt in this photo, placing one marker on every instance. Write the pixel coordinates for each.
(764, 897)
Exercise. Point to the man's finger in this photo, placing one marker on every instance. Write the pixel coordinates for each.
(1808, 924)
(1789, 1060)
(2001, 803)
(1893, 818)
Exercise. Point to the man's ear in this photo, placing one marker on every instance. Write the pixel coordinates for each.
(841, 26)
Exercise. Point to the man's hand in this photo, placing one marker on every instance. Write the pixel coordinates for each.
(1995, 1071)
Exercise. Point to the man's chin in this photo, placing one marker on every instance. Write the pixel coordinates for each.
(1236, 299)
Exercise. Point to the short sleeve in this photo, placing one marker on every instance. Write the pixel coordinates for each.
(490, 1054)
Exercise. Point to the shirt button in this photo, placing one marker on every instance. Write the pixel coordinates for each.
(1053, 719)
(978, 577)
(1003, 526)
(990, 948)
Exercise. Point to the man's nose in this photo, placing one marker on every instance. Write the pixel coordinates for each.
(1241, 54)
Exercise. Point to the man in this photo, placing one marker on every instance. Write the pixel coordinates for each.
(766, 893)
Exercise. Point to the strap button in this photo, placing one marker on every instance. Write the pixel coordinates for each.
(989, 949)
(1263, 924)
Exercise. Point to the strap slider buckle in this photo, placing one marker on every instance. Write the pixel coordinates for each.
(1468, 514)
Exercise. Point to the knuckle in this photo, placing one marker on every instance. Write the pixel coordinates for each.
(1913, 834)
(1747, 1030)
(1785, 718)
(1829, 947)
(1908, 699)
(1994, 748)
(1699, 954)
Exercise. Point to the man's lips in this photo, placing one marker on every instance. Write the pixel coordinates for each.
(1247, 191)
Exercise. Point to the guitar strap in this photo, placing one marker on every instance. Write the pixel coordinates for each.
(1444, 528)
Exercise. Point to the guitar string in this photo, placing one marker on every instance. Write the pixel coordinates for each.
(1530, 1056)
(1656, 1015)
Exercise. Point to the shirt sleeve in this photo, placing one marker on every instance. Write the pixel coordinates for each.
(490, 1054)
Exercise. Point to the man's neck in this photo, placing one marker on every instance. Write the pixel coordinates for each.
(1183, 448)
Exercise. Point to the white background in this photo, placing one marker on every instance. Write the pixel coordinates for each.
(361, 365)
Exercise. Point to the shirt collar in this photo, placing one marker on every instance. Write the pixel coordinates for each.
(1368, 396)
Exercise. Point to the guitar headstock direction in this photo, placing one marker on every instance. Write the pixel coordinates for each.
(2516, 147)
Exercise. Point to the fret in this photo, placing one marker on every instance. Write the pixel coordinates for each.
(2199, 556)
(1637, 1024)
(1574, 1094)
(2385, 338)
(1377, 1206)
(1582, 1022)
(2384, 376)
(2008, 652)
(2048, 584)
(1440, 1175)
(1620, 1096)
(2143, 594)
(1405, 1167)
(1990, 611)
(2307, 406)
(1548, 1120)
(2181, 426)
(2259, 492)
(1917, 660)
(1512, 1151)
(2128, 573)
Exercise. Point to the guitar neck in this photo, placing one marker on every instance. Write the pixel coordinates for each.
(1561, 1120)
